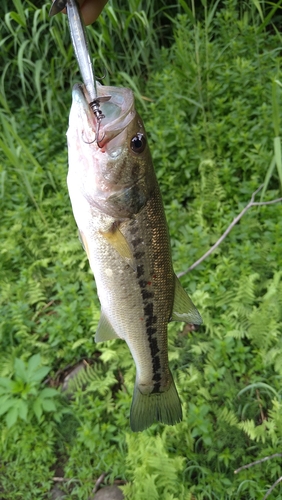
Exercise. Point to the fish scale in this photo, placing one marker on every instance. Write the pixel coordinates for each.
(118, 208)
(156, 286)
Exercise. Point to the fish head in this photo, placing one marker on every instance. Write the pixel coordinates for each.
(114, 171)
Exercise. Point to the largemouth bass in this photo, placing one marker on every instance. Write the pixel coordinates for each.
(119, 212)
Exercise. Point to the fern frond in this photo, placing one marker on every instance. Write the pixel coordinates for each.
(246, 289)
(205, 393)
(236, 334)
(92, 379)
(83, 377)
(227, 416)
(190, 378)
(259, 433)
(147, 457)
(266, 319)
(36, 293)
(201, 348)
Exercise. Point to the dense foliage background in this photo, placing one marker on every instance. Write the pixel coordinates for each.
(207, 81)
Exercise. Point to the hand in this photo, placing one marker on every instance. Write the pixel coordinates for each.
(90, 9)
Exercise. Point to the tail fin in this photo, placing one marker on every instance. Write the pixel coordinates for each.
(146, 409)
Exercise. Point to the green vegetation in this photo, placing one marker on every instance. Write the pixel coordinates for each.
(210, 79)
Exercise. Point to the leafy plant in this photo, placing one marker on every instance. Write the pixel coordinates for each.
(154, 474)
(277, 157)
(21, 396)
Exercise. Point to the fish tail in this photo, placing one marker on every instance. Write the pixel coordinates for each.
(146, 409)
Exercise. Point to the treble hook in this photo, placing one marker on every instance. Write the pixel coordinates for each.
(97, 134)
(95, 106)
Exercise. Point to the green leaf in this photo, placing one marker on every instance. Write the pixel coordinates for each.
(22, 409)
(275, 108)
(20, 8)
(6, 405)
(187, 10)
(20, 369)
(257, 5)
(258, 385)
(268, 176)
(33, 363)
(48, 393)
(5, 385)
(278, 157)
(269, 15)
(19, 387)
(12, 416)
(39, 374)
(79, 342)
(48, 405)
(37, 408)
(16, 17)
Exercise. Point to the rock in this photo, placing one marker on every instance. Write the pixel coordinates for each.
(56, 493)
(108, 493)
(71, 376)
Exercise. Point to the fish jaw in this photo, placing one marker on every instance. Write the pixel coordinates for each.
(111, 176)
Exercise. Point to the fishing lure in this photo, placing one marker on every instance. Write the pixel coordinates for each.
(80, 45)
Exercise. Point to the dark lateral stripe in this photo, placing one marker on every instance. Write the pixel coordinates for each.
(156, 388)
(148, 309)
(157, 377)
(152, 331)
(133, 230)
(138, 255)
(136, 241)
(142, 284)
(140, 271)
(150, 320)
(146, 295)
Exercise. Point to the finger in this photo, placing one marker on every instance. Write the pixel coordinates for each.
(91, 9)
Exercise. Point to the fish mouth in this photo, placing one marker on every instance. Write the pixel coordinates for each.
(117, 112)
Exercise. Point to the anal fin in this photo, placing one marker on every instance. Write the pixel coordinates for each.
(105, 331)
(183, 307)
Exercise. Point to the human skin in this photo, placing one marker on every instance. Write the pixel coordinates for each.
(90, 9)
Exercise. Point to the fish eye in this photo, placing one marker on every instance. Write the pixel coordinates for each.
(138, 143)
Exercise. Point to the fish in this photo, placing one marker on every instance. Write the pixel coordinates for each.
(118, 208)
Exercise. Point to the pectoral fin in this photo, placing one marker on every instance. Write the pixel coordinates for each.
(118, 241)
(183, 307)
(105, 330)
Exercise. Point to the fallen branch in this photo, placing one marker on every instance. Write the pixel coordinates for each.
(272, 488)
(275, 455)
(99, 481)
(251, 203)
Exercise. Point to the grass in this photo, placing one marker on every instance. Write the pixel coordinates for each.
(212, 112)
